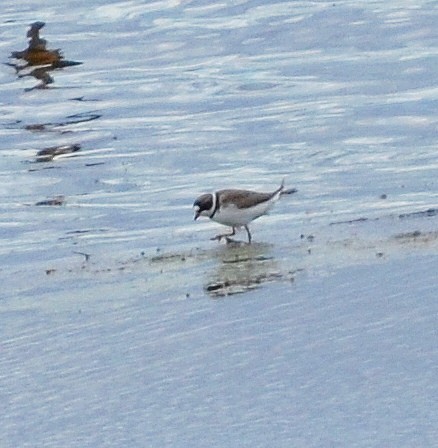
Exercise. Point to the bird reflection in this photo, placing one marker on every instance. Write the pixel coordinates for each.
(39, 56)
(242, 267)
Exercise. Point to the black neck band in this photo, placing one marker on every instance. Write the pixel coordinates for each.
(216, 205)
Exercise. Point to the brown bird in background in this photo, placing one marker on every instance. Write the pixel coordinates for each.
(37, 53)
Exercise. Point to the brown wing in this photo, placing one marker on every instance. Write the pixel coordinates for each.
(243, 198)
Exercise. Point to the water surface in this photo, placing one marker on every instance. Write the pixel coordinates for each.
(122, 323)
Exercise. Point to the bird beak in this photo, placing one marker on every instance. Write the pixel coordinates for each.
(196, 215)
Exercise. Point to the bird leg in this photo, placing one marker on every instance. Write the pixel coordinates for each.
(249, 234)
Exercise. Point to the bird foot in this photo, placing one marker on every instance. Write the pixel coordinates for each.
(219, 237)
(228, 240)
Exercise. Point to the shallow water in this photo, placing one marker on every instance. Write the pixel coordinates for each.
(123, 324)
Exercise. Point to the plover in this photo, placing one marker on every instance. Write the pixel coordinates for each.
(237, 208)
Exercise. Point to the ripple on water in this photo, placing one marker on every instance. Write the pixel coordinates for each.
(174, 99)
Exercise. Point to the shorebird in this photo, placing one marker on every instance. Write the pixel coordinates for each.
(237, 208)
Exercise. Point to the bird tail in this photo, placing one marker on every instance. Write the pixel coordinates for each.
(288, 191)
(282, 191)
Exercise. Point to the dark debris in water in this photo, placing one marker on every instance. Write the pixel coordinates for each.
(35, 127)
(421, 214)
(350, 221)
(55, 201)
(69, 120)
(48, 154)
(78, 232)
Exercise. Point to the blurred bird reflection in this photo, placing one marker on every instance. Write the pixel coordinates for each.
(38, 59)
